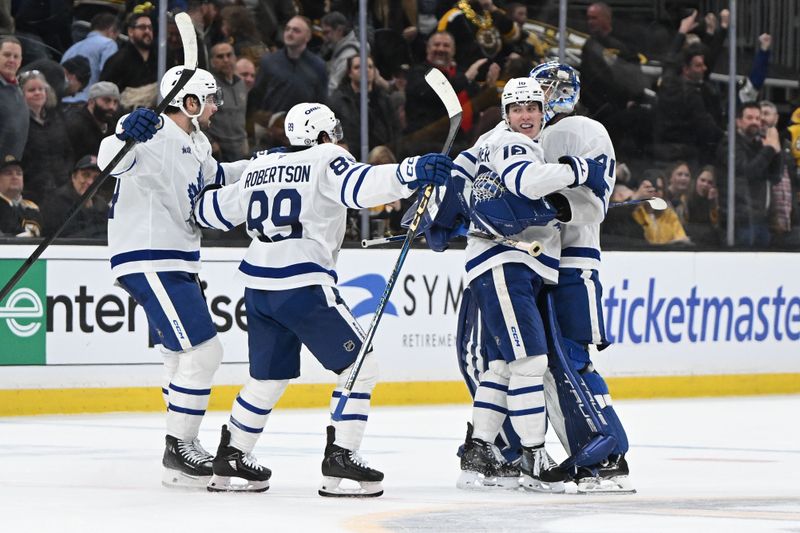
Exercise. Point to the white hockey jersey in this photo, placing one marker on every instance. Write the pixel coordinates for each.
(150, 228)
(584, 137)
(295, 205)
(519, 161)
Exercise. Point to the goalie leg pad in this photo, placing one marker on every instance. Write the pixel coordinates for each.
(350, 430)
(251, 410)
(598, 386)
(190, 389)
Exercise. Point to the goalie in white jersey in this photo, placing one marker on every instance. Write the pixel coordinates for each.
(155, 253)
(294, 204)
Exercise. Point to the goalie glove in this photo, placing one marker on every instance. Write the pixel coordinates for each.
(587, 172)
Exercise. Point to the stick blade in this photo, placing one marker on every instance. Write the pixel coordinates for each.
(444, 90)
(657, 204)
(189, 40)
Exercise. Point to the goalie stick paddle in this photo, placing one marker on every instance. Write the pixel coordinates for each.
(447, 95)
(188, 38)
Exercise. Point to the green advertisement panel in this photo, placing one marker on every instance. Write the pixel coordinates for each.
(23, 323)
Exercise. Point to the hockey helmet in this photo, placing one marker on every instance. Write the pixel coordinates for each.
(521, 90)
(202, 85)
(304, 122)
(561, 85)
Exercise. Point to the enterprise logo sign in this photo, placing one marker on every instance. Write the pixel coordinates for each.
(22, 312)
(23, 315)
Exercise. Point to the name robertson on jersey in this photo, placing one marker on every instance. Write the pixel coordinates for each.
(278, 174)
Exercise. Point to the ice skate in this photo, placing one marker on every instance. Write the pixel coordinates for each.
(609, 477)
(340, 464)
(484, 467)
(539, 472)
(186, 464)
(235, 470)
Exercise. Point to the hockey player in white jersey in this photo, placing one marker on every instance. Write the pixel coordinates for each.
(509, 177)
(577, 296)
(294, 204)
(155, 253)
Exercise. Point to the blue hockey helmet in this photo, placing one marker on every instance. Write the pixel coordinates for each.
(561, 85)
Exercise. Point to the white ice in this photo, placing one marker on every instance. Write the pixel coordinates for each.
(712, 465)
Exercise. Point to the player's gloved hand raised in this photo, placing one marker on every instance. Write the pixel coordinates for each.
(587, 172)
(140, 125)
(428, 169)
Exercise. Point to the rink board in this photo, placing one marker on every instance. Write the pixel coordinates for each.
(683, 324)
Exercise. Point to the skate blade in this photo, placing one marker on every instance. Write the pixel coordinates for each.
(235, 484)
(175, 479)
(614, 485)
(469, 480)
(366, 489)
(537, 485)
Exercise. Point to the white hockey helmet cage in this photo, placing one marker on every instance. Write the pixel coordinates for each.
(521, 90)
(202, 85)
(561, 85)
(304, 122)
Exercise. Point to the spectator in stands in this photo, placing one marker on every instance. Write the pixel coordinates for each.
(91, 220)
(88, 124)
(758, 166)
(702, 223)
(97, 47)
(207, 24)
(345, 102)
(289, 75)
(19, 217)
(133, 68)
(679, 181)
(246, 70)
(227, 131)
(387, 217)
(65, 80)
(660, 227)
(240, 31)
(77, 72)
(48, 153)
(14, 130)
(783, 215)
(269, 17)
(619, 228)
(340, 45)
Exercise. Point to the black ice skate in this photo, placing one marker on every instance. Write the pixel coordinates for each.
(608, 477)
(539, 472)
(484, 467)
(235, 470)
(340, 464)
(186, 464)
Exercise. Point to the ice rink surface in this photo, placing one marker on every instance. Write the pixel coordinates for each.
(713, 465)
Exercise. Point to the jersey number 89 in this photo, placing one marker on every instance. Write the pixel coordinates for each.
(259, 210)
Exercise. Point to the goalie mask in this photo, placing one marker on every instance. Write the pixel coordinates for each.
(521, 91)
(498, 212)
(202, 85)
(304, 122)
(561, 86)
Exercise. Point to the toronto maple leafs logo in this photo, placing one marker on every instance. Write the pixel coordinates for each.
(194, 189)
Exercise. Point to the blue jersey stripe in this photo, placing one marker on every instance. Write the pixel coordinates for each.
(581, 251)
(490, 406)
(523, 412)
(353, 395)
(358, 186)
(219, 179)
(354, 417)
(508, 170)
(495, 386)
(252, 408)
(241, 426)
(469, 156)
(154, 255)
(546, 260)
(194, 392)
(186, 411)
(284, 272)
(218, 212)
(346, 180)
(526, 390)
(201, 209)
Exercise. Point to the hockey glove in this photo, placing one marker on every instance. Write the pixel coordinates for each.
(140, 125)
(587, 172)
(428, 169)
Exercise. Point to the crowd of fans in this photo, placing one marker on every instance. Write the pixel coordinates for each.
(64, 84)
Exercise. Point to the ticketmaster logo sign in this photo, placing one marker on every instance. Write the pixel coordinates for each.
(22, 316)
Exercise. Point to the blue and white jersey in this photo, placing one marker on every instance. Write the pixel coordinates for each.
(150, 227)
(584, 137)
(519, 161)
(295, 205)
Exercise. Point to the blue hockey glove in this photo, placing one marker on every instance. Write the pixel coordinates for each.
(587, 172)
(140, 125)
(428, 169)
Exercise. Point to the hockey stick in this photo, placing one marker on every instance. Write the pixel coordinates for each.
(658, 204)
(533, 248)
(187, 32)
(447, 95)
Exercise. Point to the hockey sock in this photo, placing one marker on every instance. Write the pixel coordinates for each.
(251, 409)
(170, 367)
(489, 408)
(190, 388)
(350, 430)
(526, 399)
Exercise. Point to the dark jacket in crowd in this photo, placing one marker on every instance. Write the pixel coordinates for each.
(14, 217)
(228, 123)
(283, 82)
(14, 113)
(84, 132)
(127, 68)
(48, 158)
(384, 126)
(89, 222)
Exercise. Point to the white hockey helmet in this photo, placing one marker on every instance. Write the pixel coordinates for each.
(202, 85)
(304, 122)
(561, 85)
(521, 90)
